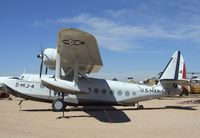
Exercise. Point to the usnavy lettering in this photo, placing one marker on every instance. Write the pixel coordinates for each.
(152, 90)
(24, 85)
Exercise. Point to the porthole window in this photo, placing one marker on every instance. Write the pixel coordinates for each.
(104, 91)
(134, 93)
(96, 90)
(41, 86)
(127, 93)
(119, 92)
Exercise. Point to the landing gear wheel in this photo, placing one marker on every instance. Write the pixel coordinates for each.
(140, 107)
(58, 105)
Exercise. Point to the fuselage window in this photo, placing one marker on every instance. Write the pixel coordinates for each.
(104, 91)
(134, 93)
(127, 93)
(146, 90)
(96, 90)
(119, 92)
(142, 90)
(42, 86)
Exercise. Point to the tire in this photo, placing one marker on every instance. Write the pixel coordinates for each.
(58, 105)
(141, 107)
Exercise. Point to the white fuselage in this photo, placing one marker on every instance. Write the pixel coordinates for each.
(100, 92)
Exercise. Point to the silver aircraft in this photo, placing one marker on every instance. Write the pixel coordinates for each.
(76, 56)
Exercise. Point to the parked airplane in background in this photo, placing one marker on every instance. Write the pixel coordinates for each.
(77, 54)
(194, 85)
(3, 92)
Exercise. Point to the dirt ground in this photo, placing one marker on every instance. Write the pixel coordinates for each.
(167, 118)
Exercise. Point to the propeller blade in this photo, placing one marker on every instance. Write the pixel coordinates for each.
(46, 71)
(41, 68)
(42, 60)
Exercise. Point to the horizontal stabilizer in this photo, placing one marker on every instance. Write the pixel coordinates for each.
(172, 84)
(175, 82)
(61, 86)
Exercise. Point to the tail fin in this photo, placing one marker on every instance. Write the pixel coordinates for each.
(174, 73)
(175, 69)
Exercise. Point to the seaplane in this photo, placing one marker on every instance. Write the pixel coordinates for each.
(76, 56)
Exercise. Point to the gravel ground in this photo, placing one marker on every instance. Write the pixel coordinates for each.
(166, 118)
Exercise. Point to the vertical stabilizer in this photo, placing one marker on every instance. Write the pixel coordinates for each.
(175, 69)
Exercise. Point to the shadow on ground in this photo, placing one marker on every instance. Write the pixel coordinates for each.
(103, 114)
(107, 114)
(190, 108)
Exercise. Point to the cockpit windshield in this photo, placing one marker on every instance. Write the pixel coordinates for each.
(16, 78)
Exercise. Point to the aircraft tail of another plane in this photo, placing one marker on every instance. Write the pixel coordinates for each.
(174, 73)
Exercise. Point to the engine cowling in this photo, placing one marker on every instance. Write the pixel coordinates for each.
(50, 57)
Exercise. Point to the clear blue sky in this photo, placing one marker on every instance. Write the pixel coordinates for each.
(135, 37)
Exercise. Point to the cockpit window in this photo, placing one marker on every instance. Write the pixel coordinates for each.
(21, 77)
(16, 78)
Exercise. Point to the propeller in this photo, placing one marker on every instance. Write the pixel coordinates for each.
(46, 71)
(41, 56)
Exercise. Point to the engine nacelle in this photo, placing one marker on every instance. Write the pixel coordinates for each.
(50, 57)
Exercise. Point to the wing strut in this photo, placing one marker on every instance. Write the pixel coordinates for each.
(76, 71)
(58, 67)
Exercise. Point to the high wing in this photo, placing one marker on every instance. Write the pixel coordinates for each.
(78, 46)
(77, 54)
